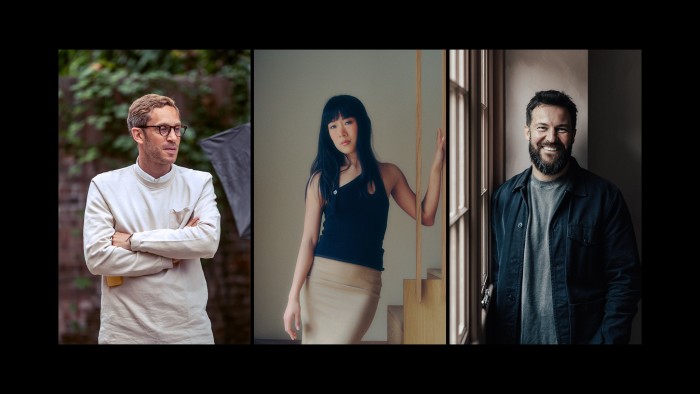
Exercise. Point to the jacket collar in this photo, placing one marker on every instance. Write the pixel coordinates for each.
(575, 184)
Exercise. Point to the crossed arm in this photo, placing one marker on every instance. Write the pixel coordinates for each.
(112, 253)
(123, 240)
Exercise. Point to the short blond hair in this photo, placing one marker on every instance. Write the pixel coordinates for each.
(140, 110)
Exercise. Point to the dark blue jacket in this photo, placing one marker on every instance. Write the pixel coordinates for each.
(595, 265)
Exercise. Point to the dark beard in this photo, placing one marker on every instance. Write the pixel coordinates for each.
(554, 168)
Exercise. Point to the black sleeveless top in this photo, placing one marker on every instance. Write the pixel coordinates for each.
(354, 225)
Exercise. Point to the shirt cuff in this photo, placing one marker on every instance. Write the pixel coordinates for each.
(135, 242)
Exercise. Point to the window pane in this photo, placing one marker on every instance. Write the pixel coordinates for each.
(467, 151)
(465, 70)
(464, 274)
(455, 301)
(484, 77)
(484, 149)
(454, 176)
(462, 153)
(461, 67)
(485, 231)
(453, 65)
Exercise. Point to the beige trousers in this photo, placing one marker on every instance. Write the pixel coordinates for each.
(338, 302)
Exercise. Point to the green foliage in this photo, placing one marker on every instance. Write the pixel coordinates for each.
(102, 84)
(75, 327)
(175, 62)
(82, 282)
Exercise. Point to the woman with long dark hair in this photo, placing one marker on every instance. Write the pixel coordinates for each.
(337, 279)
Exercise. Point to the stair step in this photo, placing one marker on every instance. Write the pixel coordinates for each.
(394, 325)
(424, 320)
(434, 273)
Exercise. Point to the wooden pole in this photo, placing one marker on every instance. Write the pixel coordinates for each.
(419, 213)
(443, 191)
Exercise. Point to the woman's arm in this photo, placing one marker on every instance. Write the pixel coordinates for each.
(406, 198)
(312, 224)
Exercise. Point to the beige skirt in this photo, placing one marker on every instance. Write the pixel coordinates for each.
(338, 302)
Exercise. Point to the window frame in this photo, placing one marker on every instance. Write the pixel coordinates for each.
(474, 171)
(459, 199)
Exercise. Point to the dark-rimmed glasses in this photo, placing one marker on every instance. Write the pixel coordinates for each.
(164, 129)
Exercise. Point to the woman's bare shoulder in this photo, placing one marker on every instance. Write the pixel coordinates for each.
(314, 181)
(313, 186)
(315, 177)
(390, 170)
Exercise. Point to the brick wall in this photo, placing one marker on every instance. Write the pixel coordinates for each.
(227, 274)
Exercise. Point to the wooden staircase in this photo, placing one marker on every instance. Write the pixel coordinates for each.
(430, 319)
(434, 273)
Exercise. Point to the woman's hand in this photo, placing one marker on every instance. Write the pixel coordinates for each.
(292, 316)
(439, 149)
(403, 194)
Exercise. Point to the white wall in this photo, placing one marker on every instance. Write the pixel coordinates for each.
(529, 71)
(290, 90)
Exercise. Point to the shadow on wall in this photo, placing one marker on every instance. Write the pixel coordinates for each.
(615, 140)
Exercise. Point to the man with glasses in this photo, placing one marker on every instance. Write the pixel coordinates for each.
(146, 227)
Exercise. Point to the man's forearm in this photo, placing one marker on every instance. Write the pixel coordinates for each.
(108, 260)
(200, 241)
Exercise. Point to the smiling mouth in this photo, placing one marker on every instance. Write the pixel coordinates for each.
(551, 148)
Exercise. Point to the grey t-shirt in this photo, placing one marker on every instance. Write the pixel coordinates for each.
(537, 317)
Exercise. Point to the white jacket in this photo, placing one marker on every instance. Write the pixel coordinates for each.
(157, 302)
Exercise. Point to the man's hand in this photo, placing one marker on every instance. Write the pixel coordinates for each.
(121, 240)
(193, 222)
